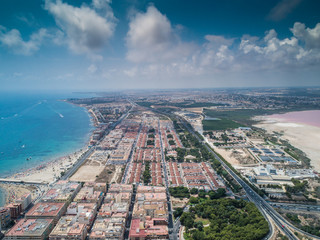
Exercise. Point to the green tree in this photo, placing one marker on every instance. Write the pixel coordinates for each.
(193, 200)
(198, 225)
(198, 235)
(194, 191)
(178, 212)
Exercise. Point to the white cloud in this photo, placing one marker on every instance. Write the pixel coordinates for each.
(274, 53)
(311, 37)
(151, 38)
(85, 29)
(131, 72)
(215, 52)
(282, 9)
(12, 40)
(157, 52)
(92, 68)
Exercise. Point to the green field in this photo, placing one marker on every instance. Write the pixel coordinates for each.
(222, 124)
(186, 104)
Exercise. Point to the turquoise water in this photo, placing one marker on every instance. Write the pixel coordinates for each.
(39, 127)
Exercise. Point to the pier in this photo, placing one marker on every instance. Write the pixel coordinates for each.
(6, 180)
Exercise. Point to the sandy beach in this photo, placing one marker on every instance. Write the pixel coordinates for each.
(50, 171)
(14, 191)
(44, 173)
(302, 136)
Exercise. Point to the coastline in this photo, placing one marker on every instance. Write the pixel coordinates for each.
(46, 172)
(303, 136)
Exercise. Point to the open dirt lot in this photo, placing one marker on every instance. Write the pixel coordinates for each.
(87, 173)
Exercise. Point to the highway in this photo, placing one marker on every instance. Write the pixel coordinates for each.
(265, 208)
(262, 205)
(292, 206)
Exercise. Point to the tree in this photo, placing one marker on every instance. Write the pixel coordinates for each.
(221, 192)
(179, 192)
(202, 194)
(178, 212)
(198, 235)
(198, 225)
(193, 200)
(194, 191)
(146, 174)
(229, 219)
(187, 220)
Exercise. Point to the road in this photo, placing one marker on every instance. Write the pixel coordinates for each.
(77, 165)
(124, 177)
(300, 207)
(170, 217)
(262, 205)
(177, 224)
(82, 159)
(128, 222)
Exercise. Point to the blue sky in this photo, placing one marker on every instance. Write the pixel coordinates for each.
(110, 45)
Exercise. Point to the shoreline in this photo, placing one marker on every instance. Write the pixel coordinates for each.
(303, 136)
(48, 171)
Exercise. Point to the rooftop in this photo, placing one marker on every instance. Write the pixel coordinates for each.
(46, 209)
(68, 225)
(107, 228)
(153, 226)
(30, 227)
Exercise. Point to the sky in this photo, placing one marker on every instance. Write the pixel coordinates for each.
(100, 45)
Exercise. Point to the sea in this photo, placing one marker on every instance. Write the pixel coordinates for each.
(39, 127)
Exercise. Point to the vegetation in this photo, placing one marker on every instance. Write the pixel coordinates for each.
(179, 192)
(201, 153)
(229, 219)
(293, 217)
(312, 227)
(242, 116)
(223, 172)
(299, 187)
(178, 212)
(194, 191)
(221, 192)
(193, 200)
(181, 152)
(169, 136)
(222, 124)
(185, 104)
(296, 153)
(146, 173)
(150, 142)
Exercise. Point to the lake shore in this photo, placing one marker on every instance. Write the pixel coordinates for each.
(303, 136)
